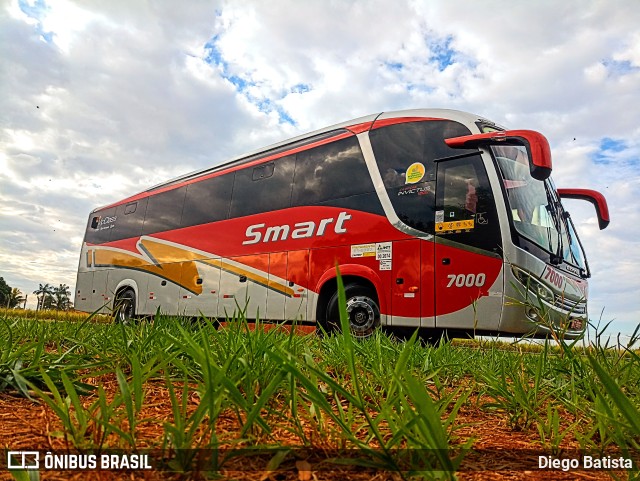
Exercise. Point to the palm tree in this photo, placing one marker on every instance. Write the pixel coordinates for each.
(62, 301)
(45, 296)
(15, 297)
(5, 292)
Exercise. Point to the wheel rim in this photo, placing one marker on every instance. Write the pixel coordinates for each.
(362, 315)
(125, 310)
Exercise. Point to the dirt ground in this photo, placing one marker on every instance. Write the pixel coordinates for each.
(499, 452)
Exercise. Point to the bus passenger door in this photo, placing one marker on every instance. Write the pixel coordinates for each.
(406, 291)
(468, 248)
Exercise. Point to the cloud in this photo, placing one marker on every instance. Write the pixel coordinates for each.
(101, 100)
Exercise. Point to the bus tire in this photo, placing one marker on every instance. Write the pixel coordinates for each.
(362, 309)
(125, 306)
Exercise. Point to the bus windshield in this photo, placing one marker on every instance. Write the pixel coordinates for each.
(536, 210)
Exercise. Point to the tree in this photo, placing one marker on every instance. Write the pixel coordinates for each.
(45, 296)
(15, 298)
(61, 297)
(5, 292)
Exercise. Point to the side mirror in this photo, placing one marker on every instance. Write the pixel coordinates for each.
(593, 196)
(536, 144)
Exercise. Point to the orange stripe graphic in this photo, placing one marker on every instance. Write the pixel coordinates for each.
(177, 264)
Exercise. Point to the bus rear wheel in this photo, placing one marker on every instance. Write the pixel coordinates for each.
(125, 306)
(362, 310)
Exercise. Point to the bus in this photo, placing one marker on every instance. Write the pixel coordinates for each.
(436, 220)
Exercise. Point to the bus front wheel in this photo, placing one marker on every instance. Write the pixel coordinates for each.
(125, 306)
(362, 311)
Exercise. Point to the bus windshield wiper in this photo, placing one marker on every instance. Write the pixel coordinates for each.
(552, 206)
(573, 238)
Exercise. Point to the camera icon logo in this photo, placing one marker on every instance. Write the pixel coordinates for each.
(23, 460)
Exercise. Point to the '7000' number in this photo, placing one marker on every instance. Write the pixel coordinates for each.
(466, 280)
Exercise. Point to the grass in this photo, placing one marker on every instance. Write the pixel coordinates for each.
(378, 402)
(54, 315)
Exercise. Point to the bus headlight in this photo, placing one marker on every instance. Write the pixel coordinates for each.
(544, 293)
(533, 285)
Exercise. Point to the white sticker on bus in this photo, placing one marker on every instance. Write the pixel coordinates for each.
(363, 250)
(383, 251)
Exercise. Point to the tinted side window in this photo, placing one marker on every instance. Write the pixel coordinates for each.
(405, 154)
(414, 204)
(101, 225)
(466, 209)
(399, 147)
(331, 171)
(164, 211)
(361, 202)
(263, 188)
(208, 200)
(130, 218)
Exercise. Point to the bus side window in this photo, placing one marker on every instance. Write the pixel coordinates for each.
(130, 218)
(263, 188)
(405, 153)
(208, 200)
(399, 146)
(332, 171)
(101, 225)
(164, 211)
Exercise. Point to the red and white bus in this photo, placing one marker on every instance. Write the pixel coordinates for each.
(437, 219)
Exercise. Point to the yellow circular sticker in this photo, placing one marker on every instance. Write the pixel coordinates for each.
(415, 173)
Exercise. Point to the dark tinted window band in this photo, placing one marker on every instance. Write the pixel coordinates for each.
(332, 173)
(264, 188)
(164, 211)
(262, 155)
(208, 200)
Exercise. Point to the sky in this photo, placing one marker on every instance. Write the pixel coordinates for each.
(100, 100)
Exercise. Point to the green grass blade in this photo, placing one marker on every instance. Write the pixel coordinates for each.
(626, 407)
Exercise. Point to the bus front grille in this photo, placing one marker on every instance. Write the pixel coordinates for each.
(575, 307)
